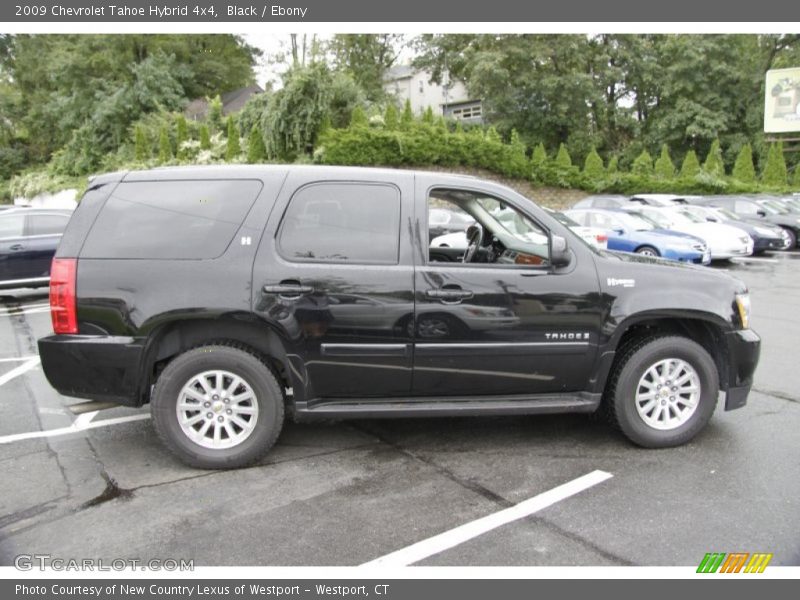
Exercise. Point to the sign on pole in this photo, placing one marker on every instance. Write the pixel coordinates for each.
(782, 101)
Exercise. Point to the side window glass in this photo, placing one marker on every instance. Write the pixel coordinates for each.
(47, 224)
(11, 226)
(746, 208)
(490, 232)
(342, 223)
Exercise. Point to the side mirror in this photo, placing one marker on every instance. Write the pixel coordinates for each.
(560, 255)
(619, 231)
(761, 213)
(712, 219)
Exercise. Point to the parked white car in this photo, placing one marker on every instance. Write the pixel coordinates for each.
(724, 241)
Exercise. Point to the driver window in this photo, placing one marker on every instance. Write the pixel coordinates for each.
(469, 227)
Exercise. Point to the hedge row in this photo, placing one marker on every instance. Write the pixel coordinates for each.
(429, 141)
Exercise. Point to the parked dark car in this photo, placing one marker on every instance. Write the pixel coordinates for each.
(210, 292)
(28, 240)
(751, 208)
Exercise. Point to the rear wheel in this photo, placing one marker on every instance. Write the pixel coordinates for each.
(648, 251)
(217, 407)
(662, 391)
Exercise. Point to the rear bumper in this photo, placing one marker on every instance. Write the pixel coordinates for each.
(94, 367)
(744, 349)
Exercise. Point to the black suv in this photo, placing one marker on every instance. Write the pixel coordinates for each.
(28, 240)
(229, 296)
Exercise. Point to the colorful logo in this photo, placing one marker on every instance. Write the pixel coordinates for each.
(734, 562)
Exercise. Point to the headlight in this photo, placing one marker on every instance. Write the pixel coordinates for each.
(743, 306)
(764, 231)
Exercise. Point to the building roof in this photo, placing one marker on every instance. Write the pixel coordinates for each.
(399, 72)
(232, 102)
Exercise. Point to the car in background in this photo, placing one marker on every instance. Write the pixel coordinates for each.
(630, 233)
(591, 235)
(602, 201)
(765, 236)
(442, 221)
(658, 199)
(723, 241)
(28, 240)
(751, 208)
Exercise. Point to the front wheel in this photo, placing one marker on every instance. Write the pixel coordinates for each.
(217, 407)
(792, 238)
(648, 251)
(662, 391)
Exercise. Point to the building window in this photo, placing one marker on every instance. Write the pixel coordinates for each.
(467, 112)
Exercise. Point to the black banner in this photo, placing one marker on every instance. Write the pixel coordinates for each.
(394, 589)
(261, 11)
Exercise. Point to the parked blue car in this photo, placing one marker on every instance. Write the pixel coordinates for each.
(632, 233)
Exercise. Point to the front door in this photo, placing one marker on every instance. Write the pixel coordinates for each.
(503, 323)
(333, 275)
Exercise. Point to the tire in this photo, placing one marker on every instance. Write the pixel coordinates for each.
(661, 426)
(792, 238)
(648, 251)
(262, 401)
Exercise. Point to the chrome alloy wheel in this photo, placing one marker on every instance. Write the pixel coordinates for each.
(668, 394)
(217, 409)
(647, 252)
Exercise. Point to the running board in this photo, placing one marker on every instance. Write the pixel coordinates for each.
(448, 406)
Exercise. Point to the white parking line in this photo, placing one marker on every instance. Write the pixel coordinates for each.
(449, 539)
(23, 368)
(17, 358)
(82, 423)
(755, 259)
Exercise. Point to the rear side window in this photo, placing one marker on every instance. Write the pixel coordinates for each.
(11, 225)
(344, 223)
(47, 224)
(170, 219)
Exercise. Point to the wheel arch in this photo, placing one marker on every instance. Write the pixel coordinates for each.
(704, 328)
(243, 330)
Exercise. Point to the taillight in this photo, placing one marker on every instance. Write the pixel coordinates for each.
(602, 237)
(63, 273)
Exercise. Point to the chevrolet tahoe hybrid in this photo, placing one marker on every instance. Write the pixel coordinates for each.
(230, 298)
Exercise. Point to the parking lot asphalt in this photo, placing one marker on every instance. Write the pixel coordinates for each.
(351, 492)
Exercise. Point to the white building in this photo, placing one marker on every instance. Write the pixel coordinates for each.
(449, 99)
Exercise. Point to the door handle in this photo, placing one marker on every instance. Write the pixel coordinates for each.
(449, 295)
(288, 289)
(16, 247)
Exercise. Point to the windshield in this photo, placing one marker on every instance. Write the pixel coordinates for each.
(637, 222)
(691, 216)
(731, 216)
(562, 218)
(776, 208)
(659, 219)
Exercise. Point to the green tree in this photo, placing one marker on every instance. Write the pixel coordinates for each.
(714, 165)
(164, 146)
(563, 159)
(613, 165)
(407, 118)
(181, 136)
(593, 166)
(391, 118)
(539, 156)
(643, 165)
(690, 166)
(427, 116)
(775, 173)
(743, 169)
(796, 178)
(215, 114)
(233, 147)
(256, 149)
(359, 118)
(664, 167)
(205, 137)
(367, 58)
(141, 150)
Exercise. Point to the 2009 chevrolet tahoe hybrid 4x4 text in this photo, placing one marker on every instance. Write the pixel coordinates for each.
(229, 296)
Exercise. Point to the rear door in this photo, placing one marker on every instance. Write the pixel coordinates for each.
(334, 274)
